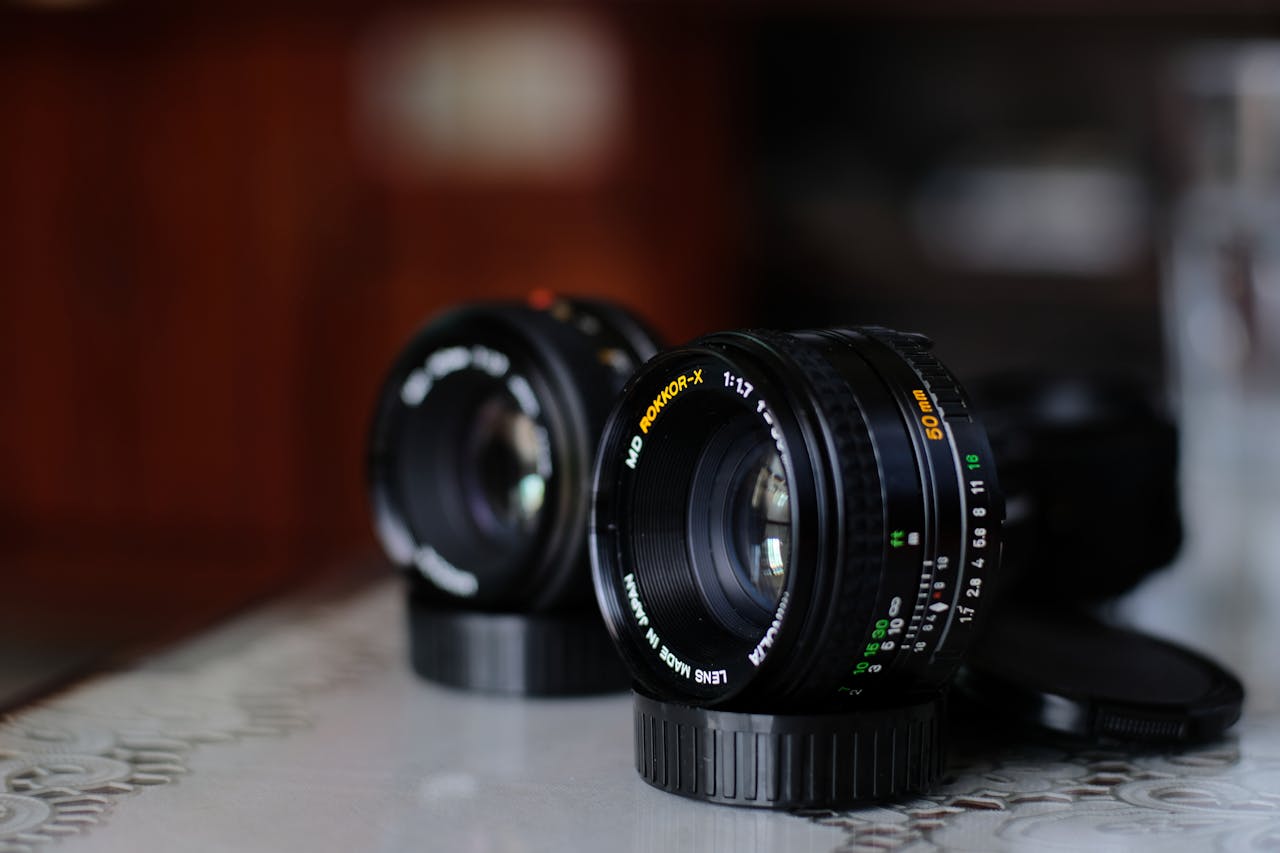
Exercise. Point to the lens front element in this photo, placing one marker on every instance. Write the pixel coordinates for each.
(505, 483)
(761, 510)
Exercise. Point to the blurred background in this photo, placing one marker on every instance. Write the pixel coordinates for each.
(219, 222)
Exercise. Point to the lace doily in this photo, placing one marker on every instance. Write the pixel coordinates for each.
(1033, 797)
(66, 761)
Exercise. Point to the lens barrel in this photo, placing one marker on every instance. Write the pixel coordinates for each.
(479, 469)
(795, 524)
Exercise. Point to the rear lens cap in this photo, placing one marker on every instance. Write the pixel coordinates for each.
(791, 761)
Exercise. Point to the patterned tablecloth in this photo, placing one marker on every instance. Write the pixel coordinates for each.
(299, 728)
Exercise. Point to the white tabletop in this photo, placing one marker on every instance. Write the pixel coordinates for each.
(301, 728)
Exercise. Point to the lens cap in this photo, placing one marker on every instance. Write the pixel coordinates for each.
(520, 654)
(790, 761)
(1070, 673)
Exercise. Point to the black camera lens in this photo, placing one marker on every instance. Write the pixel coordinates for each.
(794, 524)
(794, 520)
(479, 464)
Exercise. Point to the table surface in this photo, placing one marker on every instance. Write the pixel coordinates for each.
(299, 727)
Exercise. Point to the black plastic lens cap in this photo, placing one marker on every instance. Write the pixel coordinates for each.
(520, 654)
(790, 761)
(1070, 673)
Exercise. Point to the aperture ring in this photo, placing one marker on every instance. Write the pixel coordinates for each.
(982, 509)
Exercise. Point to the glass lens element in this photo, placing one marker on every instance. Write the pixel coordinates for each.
(507, 490)
(762, 521)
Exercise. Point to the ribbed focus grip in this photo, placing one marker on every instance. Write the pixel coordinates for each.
(916, 350)
(788, 761)
(514, 653)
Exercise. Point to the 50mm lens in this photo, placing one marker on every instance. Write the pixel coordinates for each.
(804, 521)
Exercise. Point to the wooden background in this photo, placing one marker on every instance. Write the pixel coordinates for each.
(204, 273)
(202, 278)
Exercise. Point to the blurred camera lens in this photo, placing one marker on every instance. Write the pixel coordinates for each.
(1074, 450)
(788, 528)
(479, 465)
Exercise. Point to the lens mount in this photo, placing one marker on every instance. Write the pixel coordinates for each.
(799, 520)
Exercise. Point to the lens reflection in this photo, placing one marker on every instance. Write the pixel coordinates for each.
(762, 518)
(504, 459)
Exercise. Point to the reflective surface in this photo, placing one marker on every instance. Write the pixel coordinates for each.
(502, 482)
(302, 729)
(762, 522)
(299, 728)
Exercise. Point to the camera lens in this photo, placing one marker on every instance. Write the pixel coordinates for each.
(479, 464)
(794, 522)
(463, 479)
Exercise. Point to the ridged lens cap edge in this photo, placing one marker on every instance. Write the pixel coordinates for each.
(790, 761)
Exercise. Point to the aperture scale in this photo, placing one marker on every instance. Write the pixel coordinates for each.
(956, 460)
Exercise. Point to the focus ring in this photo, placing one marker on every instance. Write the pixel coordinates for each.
(785, 761)
(853, 590)
(915, 350)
